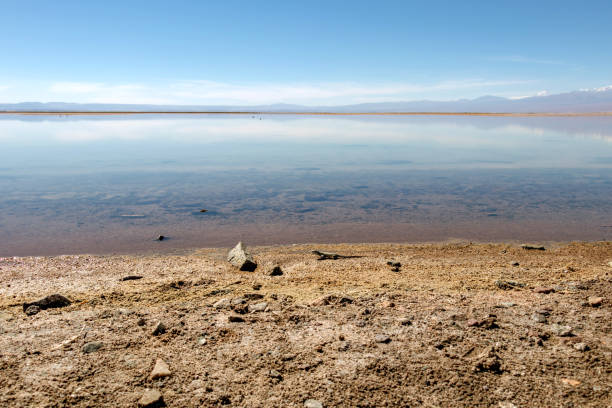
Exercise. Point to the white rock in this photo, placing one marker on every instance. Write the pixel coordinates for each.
(310, 403)
(258, 307)
(241, 259)
(160, 370)
(150, 398)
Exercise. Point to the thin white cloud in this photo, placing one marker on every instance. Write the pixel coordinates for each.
(89, 87)
(204, 92)
(95, 92)
(601, 89)
(526, 60)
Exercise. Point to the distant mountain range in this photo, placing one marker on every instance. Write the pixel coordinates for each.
(583, 101)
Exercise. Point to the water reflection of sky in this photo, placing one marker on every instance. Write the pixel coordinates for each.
(78, 175)
(87, 143)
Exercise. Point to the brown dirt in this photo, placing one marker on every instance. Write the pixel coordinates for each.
(454, 339)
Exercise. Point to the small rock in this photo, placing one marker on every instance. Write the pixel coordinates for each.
(131, 277)
(539, 317)
(472, 323)
(160, 238)
(515, 264)
(160, 328)
(141, 322)
(405, 322)
(489, 323)
(160, 370)
(240, 308)
(571, 382)
(92, 347)
(238, 301)
(544, 290)
(235, 319)
(288, 357)
(322, 301)
(488, 360)
(581, 346)
(257, 286)
(382, 338)
(32, 310)
(222, 303)
(533, 248)
(486, 323)
(595, 301)
(275, 374)
(387, 304)
(202, 341)
(151, 399)
(275, 271)
(310, 403)
(258, 307)
(343, 346)
(507, 285)
(506, 404)
(241, 259)
(66, 342)
(506, 305)
(560, 330)
(332, 299)
(196, 385)
(106, 314)
(253, 296)
(49, 302)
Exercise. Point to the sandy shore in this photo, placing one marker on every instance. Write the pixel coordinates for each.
(459, 325)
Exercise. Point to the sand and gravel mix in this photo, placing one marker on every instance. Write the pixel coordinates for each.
(458, 325)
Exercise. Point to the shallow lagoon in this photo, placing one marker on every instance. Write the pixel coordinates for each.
(98, 184)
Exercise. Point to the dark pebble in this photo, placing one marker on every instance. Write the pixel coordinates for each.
(49, 302)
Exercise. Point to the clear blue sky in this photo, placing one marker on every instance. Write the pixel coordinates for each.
(313, 52)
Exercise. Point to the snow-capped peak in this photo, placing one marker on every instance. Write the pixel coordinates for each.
(602, 89)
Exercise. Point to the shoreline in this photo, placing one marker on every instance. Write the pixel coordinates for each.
(121, 239)
(494, 114)
(187, 250)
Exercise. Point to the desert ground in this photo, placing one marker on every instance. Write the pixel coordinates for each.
(456, 324)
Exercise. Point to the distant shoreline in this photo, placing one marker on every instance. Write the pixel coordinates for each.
(535, 114)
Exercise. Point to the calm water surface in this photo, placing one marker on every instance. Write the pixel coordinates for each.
(104, 184)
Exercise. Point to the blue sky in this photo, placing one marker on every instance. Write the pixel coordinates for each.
(313, 52)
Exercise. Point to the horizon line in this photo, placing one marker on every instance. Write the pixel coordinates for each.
(305, 113)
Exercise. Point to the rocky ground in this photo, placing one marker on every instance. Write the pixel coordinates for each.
(456, 325)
